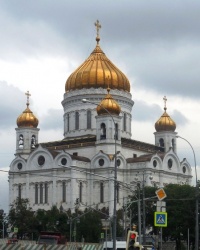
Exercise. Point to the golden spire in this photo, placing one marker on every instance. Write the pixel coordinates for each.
(98, 27)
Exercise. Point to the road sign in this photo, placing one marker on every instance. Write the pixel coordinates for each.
(161, 194)
(15, 230)
(160, 206)
(160, 219)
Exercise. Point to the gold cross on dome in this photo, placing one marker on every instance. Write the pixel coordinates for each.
(98, 26)
(165, 102)
(28, 95)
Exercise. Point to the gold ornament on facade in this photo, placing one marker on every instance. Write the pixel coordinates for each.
(93, 72)
(27, 118)
(165, 123)
(108, 104)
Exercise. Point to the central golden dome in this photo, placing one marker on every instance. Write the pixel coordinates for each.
(95, 72)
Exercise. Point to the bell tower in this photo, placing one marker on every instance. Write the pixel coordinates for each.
(165, 135)
(27, 131)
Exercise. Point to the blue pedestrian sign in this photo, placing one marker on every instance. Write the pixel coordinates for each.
(160, 219)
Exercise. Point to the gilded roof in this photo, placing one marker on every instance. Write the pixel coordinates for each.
(97, 72)
(27, 118)
(108, 105)
(165, 122)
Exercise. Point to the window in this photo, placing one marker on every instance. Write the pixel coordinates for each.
(41, 160)
(46, 193)
(80, 191)
(21, 142)
(88, 119)
(117, 191)
(76, 120)
(19, 191)
(101, 192)
(170, 163)
(33, 141)
(41, 193)
(64, 192)
(173, 144)
(19, 165)
(116, 131)
(64, 161)
(184, 169)
(161, 142)
(154, 163)
(36, 193)
(103, 131)
(124, 121)
(101, 162)
(67, 122)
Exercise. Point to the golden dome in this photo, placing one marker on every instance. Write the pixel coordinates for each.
(108, 104)
(165, 123)
(27, 118)
(95, 71)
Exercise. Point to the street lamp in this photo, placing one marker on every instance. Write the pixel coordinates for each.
(143, 205)
(115, 173)
(196, 198)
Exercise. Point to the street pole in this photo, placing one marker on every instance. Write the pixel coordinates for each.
(139, 215)
(143, 212)
(196, 198)
(115, 174)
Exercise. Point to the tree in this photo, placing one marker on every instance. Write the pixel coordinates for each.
(21, 217)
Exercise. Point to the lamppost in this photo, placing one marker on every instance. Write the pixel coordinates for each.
(196, 198)
(143, 205)
(115, 173)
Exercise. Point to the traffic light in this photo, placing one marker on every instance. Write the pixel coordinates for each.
(131, 240)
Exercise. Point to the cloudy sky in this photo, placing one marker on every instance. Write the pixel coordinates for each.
(155, 43)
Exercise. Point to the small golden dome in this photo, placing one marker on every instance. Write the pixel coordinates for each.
(27, 118)
(165, 123)
(94, 71)
(108, 104)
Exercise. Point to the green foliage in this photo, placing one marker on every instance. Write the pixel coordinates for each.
(180, 206)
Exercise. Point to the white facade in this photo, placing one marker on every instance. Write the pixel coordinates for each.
(81, 166)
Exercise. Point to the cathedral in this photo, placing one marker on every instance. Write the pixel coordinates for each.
(98, 158)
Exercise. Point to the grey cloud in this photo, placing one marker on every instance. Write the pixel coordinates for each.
(153, 42)
(144, 112)
(52, 120)
(11, 105)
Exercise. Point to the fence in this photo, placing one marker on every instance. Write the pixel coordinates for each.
(31, 245)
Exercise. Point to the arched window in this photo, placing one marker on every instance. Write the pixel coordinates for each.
(101, 192)
(46, 193)
(117, 190)
(173, 146)
(161, 143)
(33, 141)
(116, 131)
(103, 131)
(76, 120)
(36, 193)
(124, 121)
(41, 193)
(19, 191)
(64, 192)
(80, 191)
(21, 141)
(88, 119)
(67, 122)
